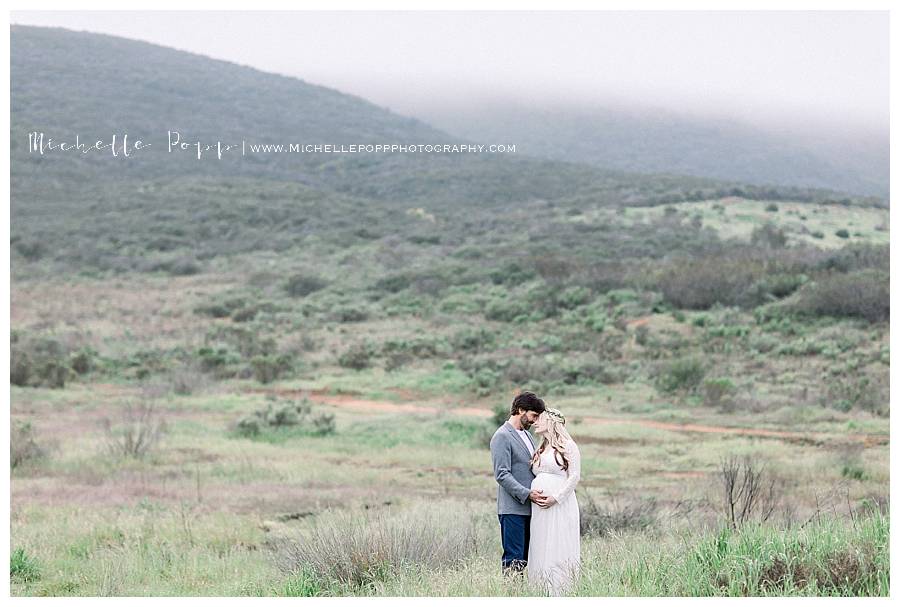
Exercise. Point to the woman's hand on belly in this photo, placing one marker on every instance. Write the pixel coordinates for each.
(548, 501)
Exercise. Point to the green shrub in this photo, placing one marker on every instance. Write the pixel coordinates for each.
(701, 283)
(221, 308)
(277, 415)
(303, 582)
(23, 447)
(866, 391)
(842, 233)
(501, 414)
(82, 362)
(323, 424)
(23, 568)
(718, 392)
(350, 314)
(39, 362)
(484, 380)
(19, 368)
(681, 375)
(863, 294)
(780, 285)
(573, 297)
(595, 317)
(244, 341)
(287, 415)
(505, 310)
(854, 472)
(303, 284)
(31, 249)
(216, 359)
(397, 360)
(512, 273)
(249, 426)
(182, 266)
(358, 356)
(586, 368)
(473, 339)
(857, 256)
(268, 368)
(769, 235)
(394, 283)
(214, 310)
(245, 314)
(642, 334)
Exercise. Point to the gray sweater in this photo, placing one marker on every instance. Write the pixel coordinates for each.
(512, 470)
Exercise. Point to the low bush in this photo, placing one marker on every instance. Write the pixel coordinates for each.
(23, 446)
(358, 356)
(857, 256)
(22, 567)
(473, 339)
(38, 362)
(769, 235)
(268, 368)
(324, 424)
(347, 314)
(506, 310)
(82, 361)
(360, 548)
(683, 374)
(865, 294)
(700, 283)
(303, 284)
(866, 391)
(719, 392)
(138, 432)
(279, 414)
(615, 516)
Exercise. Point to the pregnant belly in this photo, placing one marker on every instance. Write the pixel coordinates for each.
(548, 483)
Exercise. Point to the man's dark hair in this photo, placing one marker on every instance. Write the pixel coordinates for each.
(527, 401)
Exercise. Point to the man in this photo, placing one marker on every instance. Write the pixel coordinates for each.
(511, 451)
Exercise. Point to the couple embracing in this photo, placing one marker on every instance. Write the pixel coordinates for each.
(539, 516)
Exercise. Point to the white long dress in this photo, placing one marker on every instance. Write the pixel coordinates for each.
(554, 549)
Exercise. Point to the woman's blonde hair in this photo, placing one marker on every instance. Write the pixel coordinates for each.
(557, 437)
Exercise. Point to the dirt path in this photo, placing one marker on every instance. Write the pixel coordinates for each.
(359, 404)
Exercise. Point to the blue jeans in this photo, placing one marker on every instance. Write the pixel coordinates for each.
(514, 534)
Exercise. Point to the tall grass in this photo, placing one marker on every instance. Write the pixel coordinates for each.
(827, 557)
(427, 549)
(358, 549)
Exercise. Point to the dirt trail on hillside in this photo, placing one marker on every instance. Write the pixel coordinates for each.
(359, 404)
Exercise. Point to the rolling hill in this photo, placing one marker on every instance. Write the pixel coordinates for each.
(66, 83)
(652, 141)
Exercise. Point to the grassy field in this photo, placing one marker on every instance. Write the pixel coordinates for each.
(285, 410)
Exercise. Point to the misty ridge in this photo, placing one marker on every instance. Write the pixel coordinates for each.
(643, 139)
(619, 136)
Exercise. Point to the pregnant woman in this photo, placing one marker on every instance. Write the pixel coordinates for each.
(554, 552)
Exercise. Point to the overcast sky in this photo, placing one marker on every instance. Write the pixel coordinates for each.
(775, 67)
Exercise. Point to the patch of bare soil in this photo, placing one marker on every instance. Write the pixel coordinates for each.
(360, 404)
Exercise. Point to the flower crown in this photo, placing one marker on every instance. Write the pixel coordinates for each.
(557, 415)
